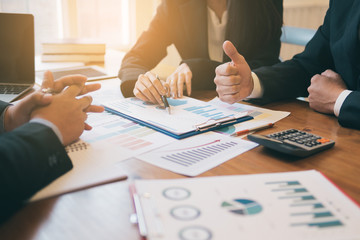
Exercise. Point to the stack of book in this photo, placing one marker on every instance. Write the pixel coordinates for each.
(73, 50)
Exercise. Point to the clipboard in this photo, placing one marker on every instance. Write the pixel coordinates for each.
(198, 115)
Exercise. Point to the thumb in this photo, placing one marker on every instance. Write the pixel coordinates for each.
(233, 54)
(48, 80)
(36, 99)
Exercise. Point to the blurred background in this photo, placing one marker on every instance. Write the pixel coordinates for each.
(118, 23)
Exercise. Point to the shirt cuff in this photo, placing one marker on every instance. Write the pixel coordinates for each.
(339, 101)
(257, 92)
(50, 125)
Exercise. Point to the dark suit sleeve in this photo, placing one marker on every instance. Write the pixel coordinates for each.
(149, 49)
(203, 73)
(31, 157)
(350, 111)
(291, 78)
(262, 53)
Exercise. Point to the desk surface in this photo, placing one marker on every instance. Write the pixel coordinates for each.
(103, 212)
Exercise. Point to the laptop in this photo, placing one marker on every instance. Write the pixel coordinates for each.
(17, 56)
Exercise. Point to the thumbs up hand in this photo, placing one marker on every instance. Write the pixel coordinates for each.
(233, 79)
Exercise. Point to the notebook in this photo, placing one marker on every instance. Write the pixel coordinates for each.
(17, 58)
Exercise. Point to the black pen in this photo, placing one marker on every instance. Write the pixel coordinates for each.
(166, 103)
(164, 99)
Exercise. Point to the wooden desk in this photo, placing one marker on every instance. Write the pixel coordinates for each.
(103, 212)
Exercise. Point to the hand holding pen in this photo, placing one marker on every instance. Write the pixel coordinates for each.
(150, 88)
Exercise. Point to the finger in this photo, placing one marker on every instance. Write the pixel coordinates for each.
(152, 90)
(63, 82)
(167, 88)
(140, 85)
(233, 54)
(172, 81)
(72, 91)
(228, 90)
(330, 74)
(85, 102)
(48, 80)
(87, 127)
(227, 69)
(141, 96)
(90, 88)
(315, 78)
(180, 84)
(188, 77)
(94, 109)
(227, 80)
(230, 98)
(33, 101)
(156, 82)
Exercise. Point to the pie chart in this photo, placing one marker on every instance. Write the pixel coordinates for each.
(242, 206)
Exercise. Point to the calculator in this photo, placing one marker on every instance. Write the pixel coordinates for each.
(293, 142)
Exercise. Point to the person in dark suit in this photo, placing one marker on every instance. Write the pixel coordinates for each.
(198, 29)
(33, 133)
(327, 71)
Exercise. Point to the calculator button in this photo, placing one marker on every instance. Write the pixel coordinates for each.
(323, 140)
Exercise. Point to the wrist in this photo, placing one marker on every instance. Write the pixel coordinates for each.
(339, 101)
(257, 90)
(7, 126)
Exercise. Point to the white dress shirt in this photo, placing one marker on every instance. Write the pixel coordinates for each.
(216, 34)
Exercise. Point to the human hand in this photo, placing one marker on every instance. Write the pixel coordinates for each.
(19, 113)
(66, 112)
(324, 91)
(233, 80)
(63, 82)
(182, 76)
(149, 88)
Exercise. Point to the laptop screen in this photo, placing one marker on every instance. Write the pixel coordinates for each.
(17, 48)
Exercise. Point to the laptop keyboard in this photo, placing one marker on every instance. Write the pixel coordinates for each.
(12, 89)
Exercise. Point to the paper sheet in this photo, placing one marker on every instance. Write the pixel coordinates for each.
(197, 154)
(294, 205)
(94, 156)
(186, 113)
(261, 116)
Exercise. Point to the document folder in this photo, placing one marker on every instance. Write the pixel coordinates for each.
(188, 116)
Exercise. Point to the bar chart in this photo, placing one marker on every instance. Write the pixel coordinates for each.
(197, 154)
(110, 129)
(305, 209)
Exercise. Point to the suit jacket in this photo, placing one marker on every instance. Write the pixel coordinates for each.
(184, 24)
(31, 156)
(335, 46)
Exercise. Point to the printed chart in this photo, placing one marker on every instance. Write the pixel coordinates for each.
(306, 209)
(112, 130)
(242, 206)
(197, 154)
(186, 113)
(291, 205)
(261, 116)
